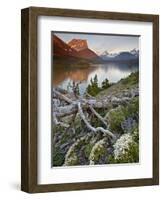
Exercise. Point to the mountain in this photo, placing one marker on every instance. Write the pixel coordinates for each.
(105, 53)
(126, 56)
(60, 48)
(135, 52)
(76, 48)
(88, 54)
(78, 44)
(81, 47)
(108, 56)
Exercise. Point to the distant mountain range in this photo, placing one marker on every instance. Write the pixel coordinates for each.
(78, 49)
(121, 56)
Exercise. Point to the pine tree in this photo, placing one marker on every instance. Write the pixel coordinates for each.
(105, 84)
(93, 88)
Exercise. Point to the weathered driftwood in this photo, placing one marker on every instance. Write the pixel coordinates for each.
(62, 111)
(98, 116)
(62, 97)
(56, 122)
(81, 104)
(90, 127)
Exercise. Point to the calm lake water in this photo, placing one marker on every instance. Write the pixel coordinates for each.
(64, 75)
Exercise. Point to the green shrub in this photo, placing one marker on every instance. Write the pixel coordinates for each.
(133, 107)
(58, 157)
(131, 155)
(98, 151)
(105, 84)
(126, 150)
(135, 134)
(93, 88)
(118, 115)
(87, 150)
(72, 159)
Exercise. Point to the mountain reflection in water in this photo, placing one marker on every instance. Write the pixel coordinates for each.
(64, 74)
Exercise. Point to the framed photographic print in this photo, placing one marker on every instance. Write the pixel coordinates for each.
(90, 100)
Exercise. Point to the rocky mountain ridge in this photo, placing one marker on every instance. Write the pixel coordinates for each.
(78, 44)
(75, 48)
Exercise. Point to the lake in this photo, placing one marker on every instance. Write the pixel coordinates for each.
(65, 74)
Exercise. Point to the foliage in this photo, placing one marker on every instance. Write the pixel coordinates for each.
(72, 157)
(105, 84)
(58, 157)
(72, 160)
(133, 107)
(98, 151)
(121, 113)
(126, 150)
(87, 150)
(135, 134)
(131, 155)
(116, 117)
(93, 88)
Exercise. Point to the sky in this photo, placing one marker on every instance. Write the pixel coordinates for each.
(100, 42)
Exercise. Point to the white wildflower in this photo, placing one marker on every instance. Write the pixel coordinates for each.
(71, 156)
(99, 146)
(122, 145)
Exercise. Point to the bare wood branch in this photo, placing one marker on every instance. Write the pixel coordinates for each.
(62, 97)
(56, 122)
(72, 122)
(98, 116)
(62, 111)
(89, 126)
(90, 96)
(72, 108)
